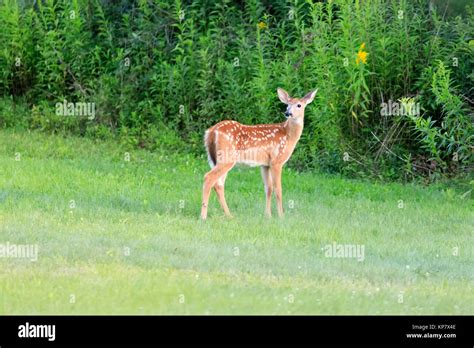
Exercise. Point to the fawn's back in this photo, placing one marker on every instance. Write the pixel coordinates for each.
(258, 145)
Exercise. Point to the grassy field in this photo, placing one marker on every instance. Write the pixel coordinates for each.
(123, 237)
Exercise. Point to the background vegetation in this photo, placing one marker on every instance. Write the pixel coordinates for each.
(161, 72)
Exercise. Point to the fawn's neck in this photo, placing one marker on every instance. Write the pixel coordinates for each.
(294, 128)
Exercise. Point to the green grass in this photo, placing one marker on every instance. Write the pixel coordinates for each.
(150, 207)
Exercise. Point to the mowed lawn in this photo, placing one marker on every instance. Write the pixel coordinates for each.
(124, 237)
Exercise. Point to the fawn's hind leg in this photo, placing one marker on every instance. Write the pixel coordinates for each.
(210, 179)
(219, 188)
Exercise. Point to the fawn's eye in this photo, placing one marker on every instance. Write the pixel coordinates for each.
(299, 105)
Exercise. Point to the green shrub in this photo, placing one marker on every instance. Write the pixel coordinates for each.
(13, 114)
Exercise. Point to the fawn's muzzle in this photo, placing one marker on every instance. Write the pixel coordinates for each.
(288, 114)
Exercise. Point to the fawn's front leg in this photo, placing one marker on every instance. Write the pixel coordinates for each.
(275, 171)
(268, 183)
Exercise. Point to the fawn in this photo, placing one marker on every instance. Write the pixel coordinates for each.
(266, 145)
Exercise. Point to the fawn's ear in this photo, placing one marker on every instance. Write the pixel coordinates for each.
(283, 95)
(308, 98)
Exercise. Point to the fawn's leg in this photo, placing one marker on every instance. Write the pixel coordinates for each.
(268, 183)
(219, 188)
(275, 171)
(210, 180)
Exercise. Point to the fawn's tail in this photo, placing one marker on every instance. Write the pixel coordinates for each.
(210, 145)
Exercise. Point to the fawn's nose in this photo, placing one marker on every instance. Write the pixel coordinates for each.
(287, 113)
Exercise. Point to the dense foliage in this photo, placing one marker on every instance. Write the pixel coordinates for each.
(159, 73)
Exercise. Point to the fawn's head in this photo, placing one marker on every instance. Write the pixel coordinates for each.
(296, 106)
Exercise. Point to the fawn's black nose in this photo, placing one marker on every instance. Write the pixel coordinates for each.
(287, 113)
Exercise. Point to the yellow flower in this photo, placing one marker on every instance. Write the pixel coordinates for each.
(262, 25)
(362, 55)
